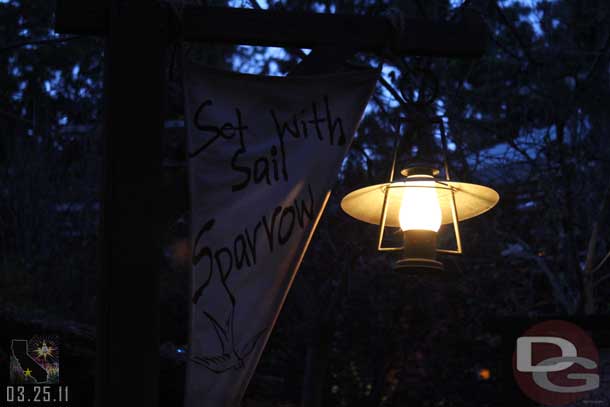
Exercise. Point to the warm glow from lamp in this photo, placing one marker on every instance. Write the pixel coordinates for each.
(420, 209)
(419, 203)
(484, 374)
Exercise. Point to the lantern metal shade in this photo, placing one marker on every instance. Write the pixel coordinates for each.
(366, 204)
(408, 202)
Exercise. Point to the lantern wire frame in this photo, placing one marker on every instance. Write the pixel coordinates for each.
(442, 185)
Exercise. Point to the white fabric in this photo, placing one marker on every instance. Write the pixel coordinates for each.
(264, 154)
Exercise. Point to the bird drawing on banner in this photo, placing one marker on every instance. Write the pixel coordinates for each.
(231, 356)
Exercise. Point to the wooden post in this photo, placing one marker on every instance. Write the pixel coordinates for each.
(128, 284)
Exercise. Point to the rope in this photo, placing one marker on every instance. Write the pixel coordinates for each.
(397, 21)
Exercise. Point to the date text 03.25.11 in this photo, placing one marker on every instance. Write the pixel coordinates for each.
(37, 395)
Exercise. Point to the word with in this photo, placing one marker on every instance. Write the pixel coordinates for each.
(272, 166)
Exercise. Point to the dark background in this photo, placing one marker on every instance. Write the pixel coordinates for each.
(529, 119)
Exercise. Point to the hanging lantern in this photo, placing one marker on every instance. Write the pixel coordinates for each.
(418, 205)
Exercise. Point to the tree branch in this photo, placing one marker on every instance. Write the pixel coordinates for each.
(39, 42)
(589, 270)
(601, 263)
(601, 280)
(598, 59)
(601, 215)
(567, 302)
(514, 31)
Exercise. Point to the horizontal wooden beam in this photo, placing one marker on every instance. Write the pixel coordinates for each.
(466, 38)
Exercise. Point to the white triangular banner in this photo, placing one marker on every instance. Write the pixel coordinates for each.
(264, 153)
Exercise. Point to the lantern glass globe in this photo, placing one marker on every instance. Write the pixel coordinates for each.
(420, 208)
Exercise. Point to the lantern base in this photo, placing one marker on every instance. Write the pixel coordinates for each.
(419, 253)
(416, 266)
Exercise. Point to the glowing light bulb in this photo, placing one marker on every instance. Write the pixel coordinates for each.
(420, 209)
